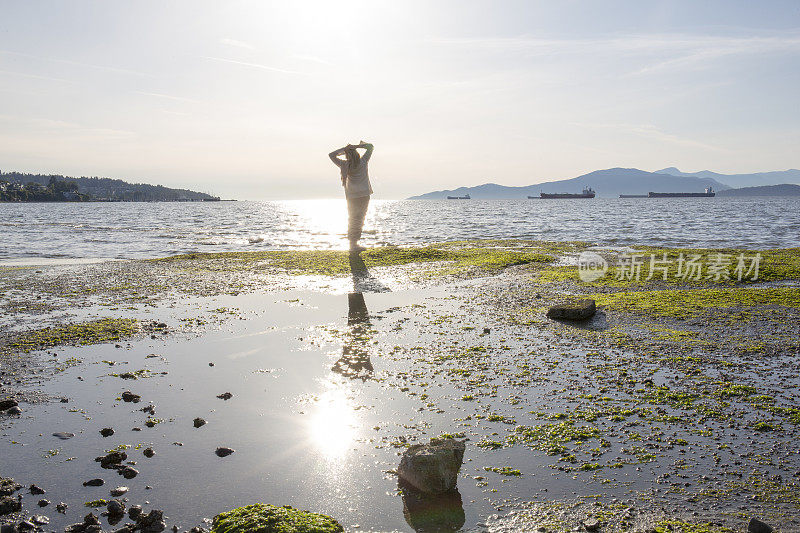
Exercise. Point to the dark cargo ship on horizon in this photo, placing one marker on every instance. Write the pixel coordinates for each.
(709, 193)
(588, 192)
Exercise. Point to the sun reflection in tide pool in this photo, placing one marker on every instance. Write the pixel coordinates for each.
(333, 426)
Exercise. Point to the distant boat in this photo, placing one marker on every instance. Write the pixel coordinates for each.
(708, 194)
(465, 197)
(633, 196)
(587, 193)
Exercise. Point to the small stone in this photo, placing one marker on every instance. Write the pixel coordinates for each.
(97, 482)
(486, 331)
(61, 507)
(210, 364)
(8, 486)
(35, 489)
(63, 435)
(578, 310)
(8, 403)
(150, 409)
(148, 452)
(14, 410)
(111, 459)
(757, 526)
(128, 472)
(225, 396)
(115, 507)
(107, 432)
(128, 396)
(40, 520)
(591, 524)
(9, 504)
(199, 422)
(223, 451)
(119, 491)
(26, 525)
(43, 503)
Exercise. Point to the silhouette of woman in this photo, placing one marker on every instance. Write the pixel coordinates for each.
(355, 180)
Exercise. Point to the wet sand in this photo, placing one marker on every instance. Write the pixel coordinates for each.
(632, 419)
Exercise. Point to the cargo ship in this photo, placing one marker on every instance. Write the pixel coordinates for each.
(709, 193)
(587, 193)
(465, 197)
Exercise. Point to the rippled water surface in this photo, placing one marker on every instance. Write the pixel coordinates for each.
(63, 231)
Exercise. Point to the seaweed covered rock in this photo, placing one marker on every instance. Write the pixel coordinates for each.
(579, 310)
(8, 486)
(432, 468)
(263, 518)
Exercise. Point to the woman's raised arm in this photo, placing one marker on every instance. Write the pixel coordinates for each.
(335, 156)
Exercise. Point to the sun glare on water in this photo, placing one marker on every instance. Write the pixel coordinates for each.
(333, 426)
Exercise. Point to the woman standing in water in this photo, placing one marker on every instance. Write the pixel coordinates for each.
(355, 180)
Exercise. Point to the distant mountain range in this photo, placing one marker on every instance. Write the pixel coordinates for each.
(612, 182)
(741, 180)
(110, 189)
(785, 189)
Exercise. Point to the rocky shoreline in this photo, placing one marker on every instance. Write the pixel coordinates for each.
(676, 399)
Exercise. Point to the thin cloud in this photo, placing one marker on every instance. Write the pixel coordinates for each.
(35, 76)
(170, 97)
(237, 43)
(253, 65)
(78, 64)
(314, 59)
(652, 132)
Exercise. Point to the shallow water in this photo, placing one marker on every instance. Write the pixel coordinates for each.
(317, 417)
(63, 231)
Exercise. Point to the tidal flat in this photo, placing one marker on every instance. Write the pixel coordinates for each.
(675, 408)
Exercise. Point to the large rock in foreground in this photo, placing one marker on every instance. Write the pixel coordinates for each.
(579, 310)
(263, 518)
(432, 468)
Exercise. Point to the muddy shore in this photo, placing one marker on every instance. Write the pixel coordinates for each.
(675, 407)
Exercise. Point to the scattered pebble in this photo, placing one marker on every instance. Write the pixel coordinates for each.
(35, 489)
(119, 491)
(97, 482)
(43, 503)
(148, 452)
(225, 396)
(106, 432)
(199, 422)
(224, 451)
(128, 396)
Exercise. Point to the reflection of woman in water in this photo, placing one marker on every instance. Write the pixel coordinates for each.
(357, 188)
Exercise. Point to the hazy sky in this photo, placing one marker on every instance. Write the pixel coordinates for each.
(245, 99)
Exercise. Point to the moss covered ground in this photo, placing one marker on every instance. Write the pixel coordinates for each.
(263, 518)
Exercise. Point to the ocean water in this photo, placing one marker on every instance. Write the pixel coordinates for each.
(67, 232)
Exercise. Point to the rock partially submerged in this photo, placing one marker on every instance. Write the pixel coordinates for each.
(8, 486)
(128, 396)
(90, 524)
(272, 519)
(432, 468)
(224, 451)
(578, 310)
(7, 403)
(757, 526)
(10, 504)
(112, 459)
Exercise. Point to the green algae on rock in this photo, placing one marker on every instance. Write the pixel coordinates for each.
(264, 518)
(339, 263)
(84, 333)
(692, 302)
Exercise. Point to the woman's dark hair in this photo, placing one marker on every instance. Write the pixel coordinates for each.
(352, 158)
